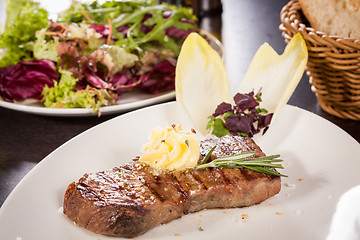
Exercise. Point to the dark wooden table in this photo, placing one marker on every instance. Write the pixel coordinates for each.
(25, 139)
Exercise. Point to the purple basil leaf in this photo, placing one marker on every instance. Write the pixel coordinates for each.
(222, 108)
(265, 130)
(237, 123)
(244, 101)
(268, 119)
(264, 120)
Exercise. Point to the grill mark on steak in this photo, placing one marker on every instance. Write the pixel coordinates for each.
(198, 179)
(188, 182)
(162, 185)
(181, 189)
(218, 173)
(233, 175)
(129, 200)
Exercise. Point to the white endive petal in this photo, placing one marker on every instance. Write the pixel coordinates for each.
(201, 82)
(276, 75)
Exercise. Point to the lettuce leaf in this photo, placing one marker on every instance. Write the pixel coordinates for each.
(65, 95)
(121, 58)
(24, 18)
(44, 49)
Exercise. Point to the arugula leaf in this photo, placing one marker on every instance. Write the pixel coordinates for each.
(100, 13)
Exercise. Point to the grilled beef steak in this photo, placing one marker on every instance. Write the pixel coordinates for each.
(129, 200)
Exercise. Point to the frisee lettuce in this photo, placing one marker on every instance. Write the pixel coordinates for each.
(64, 94)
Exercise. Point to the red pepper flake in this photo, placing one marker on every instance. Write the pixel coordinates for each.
(244, 216)
(173, 126)
(193, 131)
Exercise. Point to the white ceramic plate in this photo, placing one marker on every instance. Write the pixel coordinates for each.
(312, 149)
(127, 102)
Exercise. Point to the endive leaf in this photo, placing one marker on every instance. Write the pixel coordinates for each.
(201, 82)
(276, 75)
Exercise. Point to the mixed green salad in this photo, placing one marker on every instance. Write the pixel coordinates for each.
(92, 52)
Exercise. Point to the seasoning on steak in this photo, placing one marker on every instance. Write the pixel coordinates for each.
(128, 201)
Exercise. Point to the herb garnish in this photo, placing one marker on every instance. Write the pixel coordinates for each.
(245, 118)
(242, 160)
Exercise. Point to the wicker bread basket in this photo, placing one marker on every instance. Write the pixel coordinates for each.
(333, 65)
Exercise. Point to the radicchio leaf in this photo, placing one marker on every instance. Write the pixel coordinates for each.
(26, 79)
(121, 82)
(146, 29)
(160, 79)
(69, 57)
(95, 80)
(123, 29)
(100, 28)
(177, 33)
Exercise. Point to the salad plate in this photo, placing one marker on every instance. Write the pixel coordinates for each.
(127, 102)
(310, 146)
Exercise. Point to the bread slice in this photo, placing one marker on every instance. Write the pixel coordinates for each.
(333, 17)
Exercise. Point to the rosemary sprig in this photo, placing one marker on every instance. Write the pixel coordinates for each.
(242, 160)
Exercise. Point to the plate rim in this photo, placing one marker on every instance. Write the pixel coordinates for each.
(126, 115)
(83, 112)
